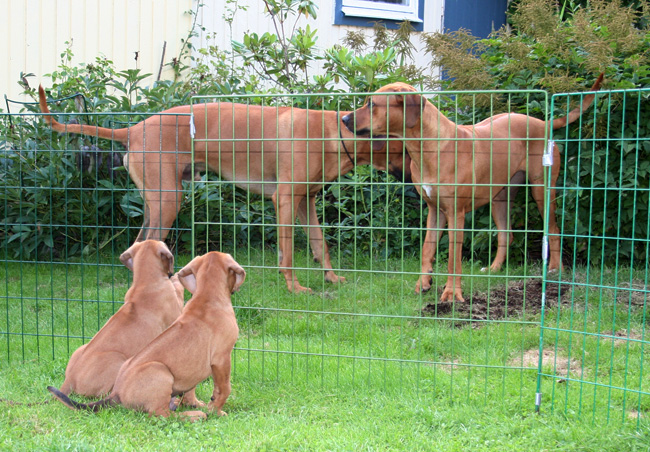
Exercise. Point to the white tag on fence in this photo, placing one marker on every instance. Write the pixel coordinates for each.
(192, 128)
(547, 159)
(545, 248)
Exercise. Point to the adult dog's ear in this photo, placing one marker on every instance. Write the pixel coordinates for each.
(187, 277)
(413, 105)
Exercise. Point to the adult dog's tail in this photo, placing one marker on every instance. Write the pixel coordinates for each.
(94, 407)
(93, 131)
(577, 112)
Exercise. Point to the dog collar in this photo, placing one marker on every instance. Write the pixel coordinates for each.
(346, 148)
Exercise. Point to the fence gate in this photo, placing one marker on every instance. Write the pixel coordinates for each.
(594, 339)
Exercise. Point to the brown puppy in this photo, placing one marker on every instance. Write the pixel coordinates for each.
(459, 168)
(151, 304)
(280, 152)
(197, 345)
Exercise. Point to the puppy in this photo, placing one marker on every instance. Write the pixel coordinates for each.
(197, 345)
(150, 306)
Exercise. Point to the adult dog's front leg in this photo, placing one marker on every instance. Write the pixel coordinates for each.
(436, 221)
(286, 205)
(456, 231)
(309, 219)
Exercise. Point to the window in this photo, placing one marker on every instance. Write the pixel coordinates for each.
(389, 12)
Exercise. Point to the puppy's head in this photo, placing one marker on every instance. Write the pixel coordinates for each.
(155, 248)
(392, 109)
(213, 265)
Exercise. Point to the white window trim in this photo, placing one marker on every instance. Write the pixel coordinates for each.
(378, 10)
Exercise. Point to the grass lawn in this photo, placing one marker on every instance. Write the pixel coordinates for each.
(366, 365)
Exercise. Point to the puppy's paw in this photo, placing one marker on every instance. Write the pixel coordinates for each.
(192, 402)
(194, 416)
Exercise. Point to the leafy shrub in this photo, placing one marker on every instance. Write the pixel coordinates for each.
(563, 49)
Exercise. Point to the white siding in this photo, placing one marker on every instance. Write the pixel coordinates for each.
(254, 19)
(34, 33)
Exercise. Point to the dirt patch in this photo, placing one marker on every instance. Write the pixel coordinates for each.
(635, 414)
(624, 336)
(448, 365)
(552, 362)
(517, 299)
(636, 294)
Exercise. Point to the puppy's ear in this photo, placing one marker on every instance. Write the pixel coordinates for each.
(167, 257)
(127, 257)
(413, 105)
(187, 277)
(236, 275)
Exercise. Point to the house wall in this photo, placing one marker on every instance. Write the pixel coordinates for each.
(212, 18)
(34, 34)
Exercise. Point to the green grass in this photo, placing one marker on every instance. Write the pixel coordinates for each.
(350, 367)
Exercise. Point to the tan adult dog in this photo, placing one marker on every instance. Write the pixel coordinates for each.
(280, 152)
(197, 345)
(459, 168)
(151, 304)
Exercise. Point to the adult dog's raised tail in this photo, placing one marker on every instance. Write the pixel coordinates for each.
(93, 131)
(67, 401)
(577, 112)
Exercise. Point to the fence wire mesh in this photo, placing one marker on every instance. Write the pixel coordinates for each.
(372, 330)
(70, 209)
(594, 346)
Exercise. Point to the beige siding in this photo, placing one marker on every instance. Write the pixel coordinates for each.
(34, 33)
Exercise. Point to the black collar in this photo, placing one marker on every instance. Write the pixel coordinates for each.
(345, 148)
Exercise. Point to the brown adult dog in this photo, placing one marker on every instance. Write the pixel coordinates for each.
(459, 168)
(284, 153)
(198, 344)
(151, 304)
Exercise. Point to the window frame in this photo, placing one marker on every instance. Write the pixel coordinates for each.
(366, 13)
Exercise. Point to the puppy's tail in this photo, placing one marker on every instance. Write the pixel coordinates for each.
(577, 112)
(94, 407)
(93, 131)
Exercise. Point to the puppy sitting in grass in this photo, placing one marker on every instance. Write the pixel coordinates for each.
(198, 344)
(151, 304)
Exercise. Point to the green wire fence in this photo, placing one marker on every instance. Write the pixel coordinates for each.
(596, 337)
(572, 340)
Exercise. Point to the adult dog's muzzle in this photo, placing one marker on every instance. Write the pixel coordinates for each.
(349, 122)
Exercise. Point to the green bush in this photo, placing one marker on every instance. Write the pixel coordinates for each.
(563, 49)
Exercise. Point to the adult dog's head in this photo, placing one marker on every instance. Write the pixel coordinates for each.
(390, 111)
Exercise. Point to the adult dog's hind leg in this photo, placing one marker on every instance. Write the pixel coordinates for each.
(309, 219)
(286, 203)
(501, 204)
(160, 185)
